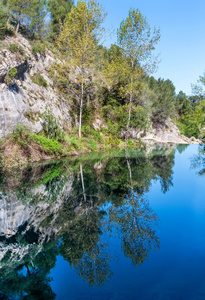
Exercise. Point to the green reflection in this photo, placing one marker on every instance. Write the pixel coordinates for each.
(73, 208)
(198, 161)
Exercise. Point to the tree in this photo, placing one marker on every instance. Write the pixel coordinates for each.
(137, 41)
(180, 98)
(37, 15)
(20, 9)
(78, 40)
(163, 105)
(198, 88)
(58, 10)
(4, 14)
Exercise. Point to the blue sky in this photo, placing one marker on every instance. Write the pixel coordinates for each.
(182, 44)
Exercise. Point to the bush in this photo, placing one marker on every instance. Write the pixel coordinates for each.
(15, 48)
(39, 79)
(93, 144)
(11, 75)
(50, 145)
(73, 141)
(130, 143)
(51, 127)
(38, 48)
(22, 135)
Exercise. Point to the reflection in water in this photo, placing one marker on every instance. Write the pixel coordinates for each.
(72, 208)
(198, 161)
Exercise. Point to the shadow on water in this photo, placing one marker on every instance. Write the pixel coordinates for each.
(73, 208)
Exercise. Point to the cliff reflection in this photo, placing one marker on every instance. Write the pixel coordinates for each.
(72, 208)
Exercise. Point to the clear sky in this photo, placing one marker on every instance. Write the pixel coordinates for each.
(182, 43)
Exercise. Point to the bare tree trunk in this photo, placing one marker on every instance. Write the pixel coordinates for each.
(131, 96)
(82, 181)
(81, 109)
(18, 24)
(130, 106)
(8, 21)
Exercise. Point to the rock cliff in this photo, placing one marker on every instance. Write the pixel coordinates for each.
(24, 100)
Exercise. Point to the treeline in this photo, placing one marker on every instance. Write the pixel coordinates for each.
(35, 18)
(110, 83)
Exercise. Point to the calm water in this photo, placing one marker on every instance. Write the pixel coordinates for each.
(124, 224)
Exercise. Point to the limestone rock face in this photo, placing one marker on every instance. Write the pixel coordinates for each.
(24, 101)
(168, 133)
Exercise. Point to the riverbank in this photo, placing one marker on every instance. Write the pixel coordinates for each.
(24, 147)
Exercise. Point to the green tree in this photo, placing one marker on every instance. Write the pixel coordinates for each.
(37, 15)
(163, 105)
(31, 13)
(58, 10)
(20, 9)
(186, 108)
(78, 40)
(180, 98)
(4, 14)
(137, 41)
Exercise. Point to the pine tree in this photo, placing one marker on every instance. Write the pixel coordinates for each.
(4, 14)
(58, 10)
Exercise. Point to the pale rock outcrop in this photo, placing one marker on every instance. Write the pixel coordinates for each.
(25, 101)
(166, 133)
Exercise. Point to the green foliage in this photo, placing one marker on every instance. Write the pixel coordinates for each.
(17, 49)
(78, 40)
(130, 142)
(39, 79)
(93, 144)
(49, 145)
(22, 135)
(11, 75)
(4, 14)
(58, 10)
(38, 48)
(163, 105)
(191, 123)
(51, 127)
(28, 14)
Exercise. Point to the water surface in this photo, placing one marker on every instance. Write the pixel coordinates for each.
(124, 224)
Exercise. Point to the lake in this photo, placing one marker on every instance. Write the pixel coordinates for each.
(122, 224)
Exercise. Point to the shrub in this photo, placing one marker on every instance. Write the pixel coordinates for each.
(11, 75)
(93, 144)
(15, 48)
(38, 48)
(73, 141)
(22, 135)
(51, 127)
(50, 145)
(39, 79)
(130, 143)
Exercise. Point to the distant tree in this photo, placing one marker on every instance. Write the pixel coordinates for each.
(163, 105)
(137, 41)
(180, 98)
(198, 88)
(186, 108)
(58, 10)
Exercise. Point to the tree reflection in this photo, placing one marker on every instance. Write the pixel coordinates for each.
(198, 161)
(103, 195)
